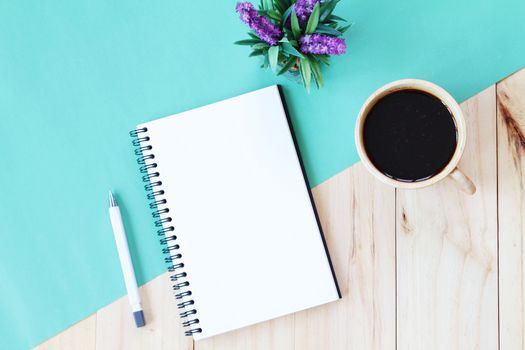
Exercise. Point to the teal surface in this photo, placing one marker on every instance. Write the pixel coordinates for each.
(75, 76)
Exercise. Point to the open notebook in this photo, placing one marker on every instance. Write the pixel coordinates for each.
(235, 213)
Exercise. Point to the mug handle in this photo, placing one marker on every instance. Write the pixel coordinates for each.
(463, 182)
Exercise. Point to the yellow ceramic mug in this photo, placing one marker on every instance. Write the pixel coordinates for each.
(464, 183)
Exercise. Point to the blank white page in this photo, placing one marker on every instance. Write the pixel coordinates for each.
(248, 234)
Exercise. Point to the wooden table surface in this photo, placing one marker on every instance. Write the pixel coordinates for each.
(426, 269)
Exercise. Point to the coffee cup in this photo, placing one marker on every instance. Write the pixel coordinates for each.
(411, 134)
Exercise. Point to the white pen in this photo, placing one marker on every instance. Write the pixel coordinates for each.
(125, 261)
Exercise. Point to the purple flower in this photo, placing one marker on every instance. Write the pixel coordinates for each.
(303, 10)
(318, 44)
(261, 25)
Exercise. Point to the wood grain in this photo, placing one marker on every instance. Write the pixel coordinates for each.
(357, 215)
(275, 334)
(447, 293)
(116, 328)
(511, 199)
(113, 327)
(81, 336)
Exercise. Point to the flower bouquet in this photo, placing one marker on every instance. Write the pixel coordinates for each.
(294, 36)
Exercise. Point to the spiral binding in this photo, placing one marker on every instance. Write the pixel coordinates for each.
(145, 157)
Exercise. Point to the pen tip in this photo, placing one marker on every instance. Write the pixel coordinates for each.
(112, 201)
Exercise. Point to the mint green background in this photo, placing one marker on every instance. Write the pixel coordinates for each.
(75, 76)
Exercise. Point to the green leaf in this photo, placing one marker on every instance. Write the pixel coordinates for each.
(280, 5)
(288, 34)
(324, 58)
(256, 53)
(316, 70)
(289, 49)
(336, 18)
(287, 66)
(273, 55)
(266, 63)
(324, 29)
(345, 28)
(287, 13)
(306, 73)
(248, 42)
(327, 8)
(285, 3)
(296, 29)
(276, 16)
(313, 20)
(268, 4)
(253, 36)
(260, 46)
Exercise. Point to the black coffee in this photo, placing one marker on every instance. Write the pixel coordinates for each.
(409, 135)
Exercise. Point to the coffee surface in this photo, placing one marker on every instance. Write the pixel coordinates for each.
(409, 135)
